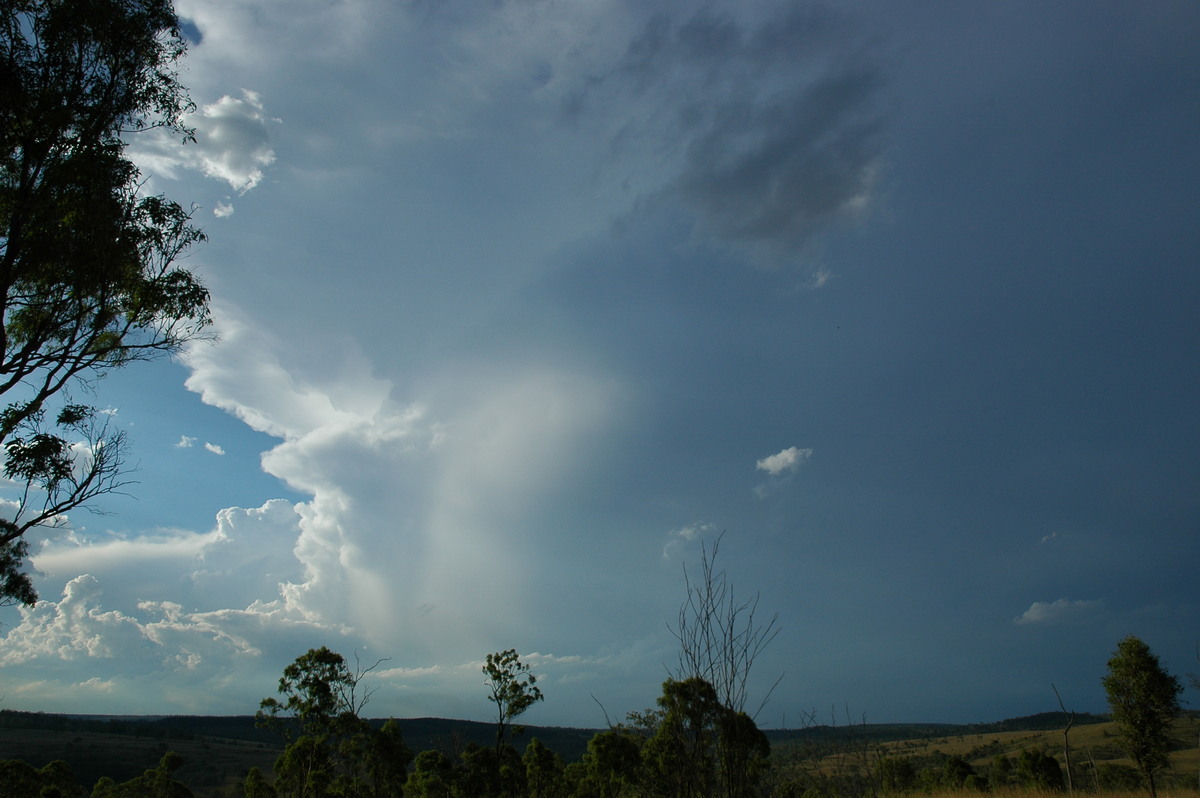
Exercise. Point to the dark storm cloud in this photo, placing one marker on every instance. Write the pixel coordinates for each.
(772, 128)
(776, 171)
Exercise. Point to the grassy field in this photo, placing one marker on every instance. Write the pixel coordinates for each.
(1095, 742)
(1162, 793)
(847, 763)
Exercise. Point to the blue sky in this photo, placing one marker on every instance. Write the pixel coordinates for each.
(519, 304)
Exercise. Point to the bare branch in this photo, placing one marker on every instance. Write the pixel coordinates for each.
(719, 636)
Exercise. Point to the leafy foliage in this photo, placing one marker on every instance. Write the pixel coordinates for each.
(330, 749)
(15, 585)
(511, 687)
(432, 776)
(1144, 698)
(1038, 770)
(88, 274)
(154, 783)
(543, 769)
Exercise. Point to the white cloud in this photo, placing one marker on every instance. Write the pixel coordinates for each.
(677, 538)
(1058, 611)
(240, 36)
(243, 560)
(73, 554)
(185, 442)
(232, 137)
(232, 144)
(72, 628)
(223, 210)
(413, 504)
(819, 278)
(790, 459)
(214, 448)
(136, 658)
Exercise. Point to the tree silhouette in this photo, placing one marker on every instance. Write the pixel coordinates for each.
(89, 279)
(1144, 699)
(511, 687)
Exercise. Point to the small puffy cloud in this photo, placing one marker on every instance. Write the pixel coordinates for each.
(232, 144)
(1058, 611)
(678, 538)
(790, 459)
(185, 442)
(818, 279)
(233, 141)
(214, 448)
(223, 210)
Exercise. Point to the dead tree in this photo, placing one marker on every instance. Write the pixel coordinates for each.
(719, 635)
(1070, 716)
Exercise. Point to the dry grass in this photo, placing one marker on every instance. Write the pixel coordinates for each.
(1019, 793)
(1096, 742)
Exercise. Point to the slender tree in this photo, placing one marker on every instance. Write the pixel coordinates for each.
(1144, 699)
(511, 687)
(720, 636)
(1070, 717)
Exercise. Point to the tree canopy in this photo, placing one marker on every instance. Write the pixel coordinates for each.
(1144, 699)
(511, 687)
(89, 279)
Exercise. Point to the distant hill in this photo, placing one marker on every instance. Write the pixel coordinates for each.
(1042, 721)
(451, 736)
(218, 750)
(888, 732)
(420, 734)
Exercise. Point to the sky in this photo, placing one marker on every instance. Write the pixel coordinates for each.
(522, 305)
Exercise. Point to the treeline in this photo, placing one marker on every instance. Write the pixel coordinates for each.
(1042, 721)
(690, 744)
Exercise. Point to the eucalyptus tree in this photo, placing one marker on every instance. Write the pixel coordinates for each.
(89, 265)
(543, 769)
(511, 687)
(330, 748)
(1144, 699)
(681, 759)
